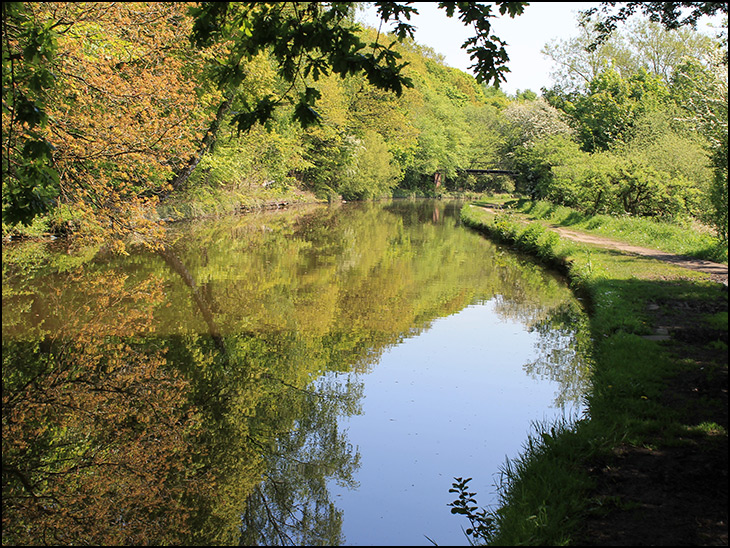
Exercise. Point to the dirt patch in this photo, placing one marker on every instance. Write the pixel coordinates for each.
(718, 271)
(668, 497)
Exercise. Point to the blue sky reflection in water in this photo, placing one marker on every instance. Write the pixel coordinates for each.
(453, 401)
(451, 344)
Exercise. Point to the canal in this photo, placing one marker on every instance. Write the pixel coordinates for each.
(315, 376)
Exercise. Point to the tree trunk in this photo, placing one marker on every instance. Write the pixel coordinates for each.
(207, 144)
(202, 304)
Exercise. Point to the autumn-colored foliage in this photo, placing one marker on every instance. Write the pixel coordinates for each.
(97, 430)
(123, 106)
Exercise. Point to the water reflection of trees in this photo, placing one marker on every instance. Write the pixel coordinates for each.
(563, 346)
(292, 506)
(538, 301)
(563, 352)
(113, 437)
(96, 429)
(166, 398)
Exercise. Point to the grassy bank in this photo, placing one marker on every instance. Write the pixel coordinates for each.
(547, 494)
(682, 237)
(184, 205)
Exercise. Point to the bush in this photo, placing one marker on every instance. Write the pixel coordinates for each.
(606, 183)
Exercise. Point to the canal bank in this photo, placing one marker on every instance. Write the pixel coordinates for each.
(649, 465)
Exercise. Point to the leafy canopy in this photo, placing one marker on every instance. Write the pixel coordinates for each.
(309, 40)
(673, 15)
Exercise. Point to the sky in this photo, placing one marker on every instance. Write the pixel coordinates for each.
(526, 34)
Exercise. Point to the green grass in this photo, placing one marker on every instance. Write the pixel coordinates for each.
(683, 238)
(679, 237)
(544, 492)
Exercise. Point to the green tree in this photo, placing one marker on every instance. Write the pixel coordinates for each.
(672, 15)
(648, 108)
(705, 102)
(661, 51)
(315, 39)
(104, 48)
(536, 165)
(576, 64)
(641, 44)
(375, 172)
(30, 181)
(606, 114)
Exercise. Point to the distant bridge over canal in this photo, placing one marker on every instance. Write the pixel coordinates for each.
(439, 177)
(489, 172)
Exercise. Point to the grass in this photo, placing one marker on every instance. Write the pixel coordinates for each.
(680, 237)
(544, 492)
(194, 203)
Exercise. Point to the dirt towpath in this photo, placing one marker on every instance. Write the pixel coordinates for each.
(718, 271)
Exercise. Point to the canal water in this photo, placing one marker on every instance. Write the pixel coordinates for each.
(317, 376)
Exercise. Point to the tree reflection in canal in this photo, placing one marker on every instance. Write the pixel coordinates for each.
(292, 506)
(97, 430)
(179, 397)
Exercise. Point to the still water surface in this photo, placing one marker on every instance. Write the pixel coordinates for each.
(310, 377)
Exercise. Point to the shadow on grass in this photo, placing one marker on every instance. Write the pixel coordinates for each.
(661, 399)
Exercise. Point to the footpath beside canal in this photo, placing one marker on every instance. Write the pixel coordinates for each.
(718, 271)
(661, 476)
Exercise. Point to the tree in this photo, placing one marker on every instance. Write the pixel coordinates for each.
(101, 104)
(376, 173)
(105, 104)
(643, 44)
(108, 107)
(712, 106)
(672, 15)
(660, 50)
(30, 181)
(662, 102)
(314, 39)
(576, 64)
(606, 114)
(533, 121)
(705, 95)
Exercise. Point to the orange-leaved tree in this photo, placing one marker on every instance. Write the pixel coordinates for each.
(121, 107)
